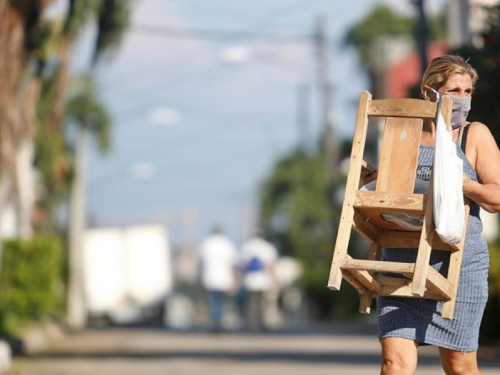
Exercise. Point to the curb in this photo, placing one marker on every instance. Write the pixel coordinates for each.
(30, 340)
(38, 337)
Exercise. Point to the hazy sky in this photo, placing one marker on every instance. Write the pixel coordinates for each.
(203, 97)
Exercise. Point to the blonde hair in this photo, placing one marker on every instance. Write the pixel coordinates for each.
(443, 67)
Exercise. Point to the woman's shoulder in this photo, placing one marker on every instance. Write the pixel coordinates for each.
(479, 131)
(477, 126)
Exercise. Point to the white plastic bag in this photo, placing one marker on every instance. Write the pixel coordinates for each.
(449, 213)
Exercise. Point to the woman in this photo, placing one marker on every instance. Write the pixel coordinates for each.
(406, 323)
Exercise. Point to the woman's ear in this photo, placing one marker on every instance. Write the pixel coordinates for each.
(425, 92)
(429, 93)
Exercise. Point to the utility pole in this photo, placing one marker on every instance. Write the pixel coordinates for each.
(330, 143)
(422, 33)
(459, 33)
(303, 98)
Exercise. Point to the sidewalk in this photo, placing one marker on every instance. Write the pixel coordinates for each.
(148, 351)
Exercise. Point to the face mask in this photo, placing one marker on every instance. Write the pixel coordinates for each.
(461, 108)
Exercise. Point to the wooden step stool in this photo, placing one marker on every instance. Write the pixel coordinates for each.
(394, 192)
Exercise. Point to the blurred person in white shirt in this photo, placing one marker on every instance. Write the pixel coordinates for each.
(219, 273)
(259, 281)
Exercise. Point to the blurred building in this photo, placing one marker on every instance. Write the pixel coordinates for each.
(405, 72)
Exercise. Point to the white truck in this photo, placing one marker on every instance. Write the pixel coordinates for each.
(127, 273)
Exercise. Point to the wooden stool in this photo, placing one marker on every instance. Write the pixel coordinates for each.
(394, 192)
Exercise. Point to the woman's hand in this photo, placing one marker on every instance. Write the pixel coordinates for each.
(468, 185)
(368, 173)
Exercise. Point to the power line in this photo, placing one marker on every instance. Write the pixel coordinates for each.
(221, 35)
(283, 11)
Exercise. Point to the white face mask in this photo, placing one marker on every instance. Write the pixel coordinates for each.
(461, 108)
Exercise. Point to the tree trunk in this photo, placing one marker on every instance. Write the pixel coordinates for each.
(76, 301)
(25, 188)
(5, 188)
(18, 100)
(12, 64)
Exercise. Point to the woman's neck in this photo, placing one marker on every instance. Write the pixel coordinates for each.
(428, 136)
(428, 133)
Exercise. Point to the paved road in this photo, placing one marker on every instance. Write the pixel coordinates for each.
(148, 351)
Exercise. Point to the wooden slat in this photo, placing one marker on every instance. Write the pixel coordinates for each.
(424, 247)
(400, 202)
(374, 253)
(375, 265)
(365, 228)
(352, 184)
(402, 108)
(399, 155)
(354, 282)
(365, 278)
(399, 287)
(454, 269)
(438, 284)
(365, 302)
(373, 216)
(410, 240)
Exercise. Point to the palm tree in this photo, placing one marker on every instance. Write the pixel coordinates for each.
(55, 154)
(112, 22)
(111, 17)
(85, 111)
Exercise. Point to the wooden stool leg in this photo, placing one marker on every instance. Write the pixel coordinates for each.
(365, 302)
(340, 251)
(454, 269)
(424, 247)
(352, 184)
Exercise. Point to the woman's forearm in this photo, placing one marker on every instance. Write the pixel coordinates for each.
(485, 195)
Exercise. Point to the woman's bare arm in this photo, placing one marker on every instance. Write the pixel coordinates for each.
(484, 155)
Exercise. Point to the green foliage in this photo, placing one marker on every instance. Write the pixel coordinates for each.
(55, 167)
(436, 28)
(38, 38)
(86, 111)
(490, 329)
(295, 206)
(381, 21)
(30, 282)
(298, 215)
(53, 155)
(78, 14)
(494, 278)
(113, 20)
(53, 158)
(384, 21)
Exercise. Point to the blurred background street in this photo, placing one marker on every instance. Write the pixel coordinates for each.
(158, 352)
